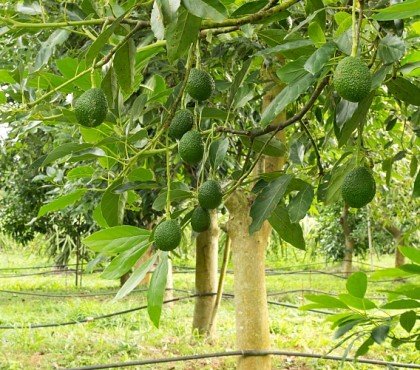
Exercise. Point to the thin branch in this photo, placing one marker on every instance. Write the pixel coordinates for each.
(317, 154)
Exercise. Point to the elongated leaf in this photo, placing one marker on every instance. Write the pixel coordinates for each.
(62, 151)
(116, 239)
(47, 48)
(238, 80)
(380, 333)
(267, 201)
(112, 204)
(407, 9)
(301, 202)
(326, 301)
(404, 90)
(141, 174)
(359, 303)
(250, 7)
(169, 9)
(181, 33)
(206, 9)
(317, 60)
(156, 291)
(6, 77)
(62, 202)
(124, 65)
(136, 277)
(401, 304)
(102, 40)
(290, 232)
(157, 21)
(80, 172)
(292, 71)
(288, 95)
(364, 347)
(411, 253)
(217, 152)
(391, 49)
(125, 261)
(357, 284)
(175, 196)
(286, 46)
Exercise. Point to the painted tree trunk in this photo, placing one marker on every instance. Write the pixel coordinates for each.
(348, 242)
(248, 254)
(207, 245)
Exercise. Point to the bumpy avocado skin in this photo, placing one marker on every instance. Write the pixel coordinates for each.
(200, 85)
(91, 108)
(210, 195)
(191, 148)
(352, 79)
(182, 122)
(200, 220)
(358, 187)
(168, 235)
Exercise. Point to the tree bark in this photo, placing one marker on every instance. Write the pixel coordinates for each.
(348, 242)
(398, 236)
(248, 254)
(207, 245)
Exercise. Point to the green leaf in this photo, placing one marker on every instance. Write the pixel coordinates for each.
(168, 9)
(316, 34)
(213, 113)
(124, 66)
(391, 49)
(407, 9)
(238, 80)
(359, 303)
(390, 273)
(286, 46)
(292, 71)
(6, 77)
(181, 33)
(288, 95)
(157, 21)
(364, 348)
(102, 40)
(267, 201)
(141, 174)
(125, 261)
(357, 284)
(401, 304)
(319, 58)
(301, 202)
(249, 8)
(326, 301)
(404, 90)
(116, 239)
(156, 291)
(58, 37)
(112, 205)
(290, 232)
(62, 202)
(62, 151)
(408, 320)
(416, 187)
(217, 152)
(206, 9)
(274, 147)
(346, 328)
(411, 253)
(80, 172)
(136, 277)
(380, 333)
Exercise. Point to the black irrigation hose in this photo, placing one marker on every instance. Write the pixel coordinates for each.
(48, 295)
(45, 273)
(94, 318)
(245, 353)
(34, 267)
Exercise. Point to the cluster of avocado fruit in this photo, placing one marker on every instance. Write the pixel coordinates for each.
(353, 82)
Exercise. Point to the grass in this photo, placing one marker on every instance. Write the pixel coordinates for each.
(132, 336)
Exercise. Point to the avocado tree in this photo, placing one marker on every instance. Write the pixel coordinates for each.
(192, 99)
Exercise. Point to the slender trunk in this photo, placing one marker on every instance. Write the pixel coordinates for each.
(207, 244)
(348, 242)
(398, 236)
(248, 253)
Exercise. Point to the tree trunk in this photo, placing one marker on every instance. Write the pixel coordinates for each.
(348, 242)
(207, 245)
(397, 234)
(248, 254)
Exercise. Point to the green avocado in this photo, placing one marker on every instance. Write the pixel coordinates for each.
(91, 108)
(168, 235)
(200, 220)
(182, 122)
(358, 187)
(200, 85)
(210, 195)
(191, 148)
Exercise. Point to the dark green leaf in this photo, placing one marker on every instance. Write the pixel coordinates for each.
(380, 333)
(267, 144)
(175, 196)
(267, 201)
(141, 174)
(80, 172)
(63, 150)
(238, 80)
(364, 348)
(112, 205)
(357, 284)
(300, 203)
(407, 9)
(319, 58)
(124, 65)
(47, 48)
(404, 90)
(206, 9)
(292, 71)
(217, 152)
(136, 277)
(181, 34)
(62, 202)
(156, 291)
(401, 304)
(391, 49)
(249, 8)
(116, 239)
(345, 328)
(290, 232)
(408, 320)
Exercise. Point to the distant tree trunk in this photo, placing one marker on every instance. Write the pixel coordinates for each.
(348, 242)
(207, 245)
(248, 254)
(398, 236)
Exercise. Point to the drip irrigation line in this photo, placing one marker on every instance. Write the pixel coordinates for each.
(253, 353)
(34, 267)
(45, 273)
(273, 294)
(94, 318)
(50, 295)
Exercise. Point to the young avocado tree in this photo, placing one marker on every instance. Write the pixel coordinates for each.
(189, 99)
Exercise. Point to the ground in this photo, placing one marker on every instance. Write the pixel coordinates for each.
(131, 336)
